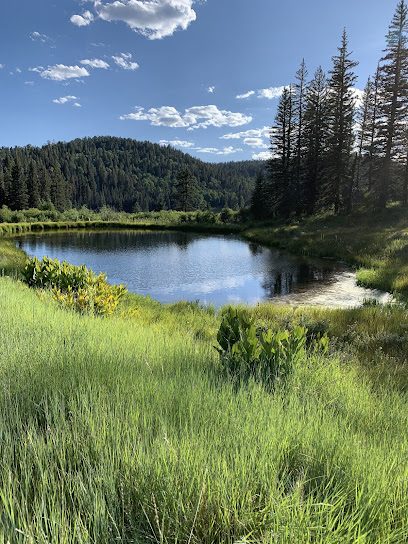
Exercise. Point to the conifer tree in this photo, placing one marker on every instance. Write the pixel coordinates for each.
(370, 146)
(185, 190)
(18, 189)
(260, 198)
(315, 139)
(394, 99)
(300, 100)
(340, 141)
(281, 165)
(32, 186)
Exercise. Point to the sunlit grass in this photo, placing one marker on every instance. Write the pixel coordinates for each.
(126, 430)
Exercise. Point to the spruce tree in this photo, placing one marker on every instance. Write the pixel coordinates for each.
(18, 190)
(185, 190)
(300, 104)
(394, 99)
(32, 186)
(315, 140)
(260, 197)
(282, 197)
(340, 141)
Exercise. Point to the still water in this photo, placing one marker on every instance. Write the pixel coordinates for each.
(172, 266)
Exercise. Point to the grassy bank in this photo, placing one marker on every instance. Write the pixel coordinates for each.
(377, 243)
(126, 430)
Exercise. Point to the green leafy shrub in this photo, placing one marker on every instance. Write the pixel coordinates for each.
(247, 351)
(74, 287)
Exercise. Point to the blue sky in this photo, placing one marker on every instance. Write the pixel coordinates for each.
(201, 75)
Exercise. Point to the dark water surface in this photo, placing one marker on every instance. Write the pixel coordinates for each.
(170, 266)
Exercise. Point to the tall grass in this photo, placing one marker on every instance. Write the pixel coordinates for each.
(127, 430)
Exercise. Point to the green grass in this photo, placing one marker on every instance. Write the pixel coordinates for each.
(126, 430)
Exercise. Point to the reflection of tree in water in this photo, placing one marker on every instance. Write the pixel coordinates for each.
(255, 249)
(111, 240)
(289, 274)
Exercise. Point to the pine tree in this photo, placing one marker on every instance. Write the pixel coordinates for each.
(185, 190)
(18, 190)
(372, 119)
(394, 98)
(315, 139)
(300, 104)
(282, 197)
(340, 141)
(363, 131)
(260, 196)
(32, 186)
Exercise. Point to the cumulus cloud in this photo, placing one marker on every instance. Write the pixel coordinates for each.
(37, 37)
(95, 63)
(226, 151)
(177, 143)
(155, 19)
(252, 133)
(123, 60)
(262, 156)
(60, 72)
(245, 95)
(82, 20)
(255, 142)
(77, 105)
(64, 99)
(192, 118)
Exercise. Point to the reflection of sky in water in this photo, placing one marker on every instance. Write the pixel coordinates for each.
(170, 266)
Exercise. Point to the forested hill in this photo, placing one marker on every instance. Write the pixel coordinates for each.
(121, 173)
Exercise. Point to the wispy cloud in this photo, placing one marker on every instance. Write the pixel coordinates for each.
(60, 72)
(245, 95)
(211, 89)
(192, 118)
(270, 92)
(95, 63)
(64, 99)
(1, 66)
(37, 37)
(262, 156)
(255, 142)
(177, 143)
(252, 133)
(123, 60)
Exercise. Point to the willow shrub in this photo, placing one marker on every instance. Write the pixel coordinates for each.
(249, 351)
(74, 287)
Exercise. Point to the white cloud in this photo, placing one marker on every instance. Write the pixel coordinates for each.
(155, 19)
(60, 72)
(37, 37)
(124, 61)
(193, 118)
(226, 151)
(245, 95)
(211, 89)
(64, 99)
(1, 66)
(262, 156)
(18, 70)
(177, 143)
(95, 63)
(255, 142)
(82, 20)
(252, 133)
(77, 105)
(271, 92)
(28, 82)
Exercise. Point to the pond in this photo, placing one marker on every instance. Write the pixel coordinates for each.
(170, 266)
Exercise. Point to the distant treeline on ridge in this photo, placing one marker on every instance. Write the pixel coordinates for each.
(123, 174)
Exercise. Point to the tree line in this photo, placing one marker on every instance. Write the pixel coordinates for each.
(120, 173)
(331, 153)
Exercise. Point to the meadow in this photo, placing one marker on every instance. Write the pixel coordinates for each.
(127, 428)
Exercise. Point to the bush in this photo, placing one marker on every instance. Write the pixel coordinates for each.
(75, 287)
(247, 351)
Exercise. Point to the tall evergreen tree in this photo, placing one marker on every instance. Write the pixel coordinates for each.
(300, 104)
(282, 197)
(18, 191)
(32, 186)
(315, 139)
(340, 141)
(185, 190)
(372, 119)
(394, 98)
(260, 197)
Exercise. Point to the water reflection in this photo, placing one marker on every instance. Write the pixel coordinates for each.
(170, 266)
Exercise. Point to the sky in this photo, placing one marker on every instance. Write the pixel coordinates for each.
(201, 75)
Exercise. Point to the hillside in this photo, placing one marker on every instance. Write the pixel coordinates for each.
(121, 173)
